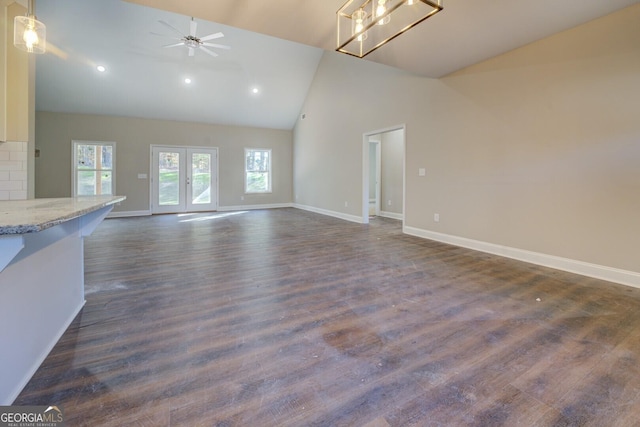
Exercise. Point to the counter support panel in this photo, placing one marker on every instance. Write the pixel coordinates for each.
(41, 292)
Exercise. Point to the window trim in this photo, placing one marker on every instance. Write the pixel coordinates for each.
(269, 170)
(74, 164)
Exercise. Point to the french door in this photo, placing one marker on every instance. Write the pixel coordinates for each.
(184, 179)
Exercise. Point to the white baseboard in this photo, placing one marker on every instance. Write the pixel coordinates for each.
(624, 277)
(254, 207)
(340, 215)
(392, 215)
(124, 214)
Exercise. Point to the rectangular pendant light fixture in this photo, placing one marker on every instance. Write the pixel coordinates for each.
(365, 25)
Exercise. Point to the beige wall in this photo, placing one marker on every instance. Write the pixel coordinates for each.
(391, 189)
(133, 137)
(536, 149)
(17, 106)
(17, 82)
(328, 142)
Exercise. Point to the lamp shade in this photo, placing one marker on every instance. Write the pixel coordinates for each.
(29, 34)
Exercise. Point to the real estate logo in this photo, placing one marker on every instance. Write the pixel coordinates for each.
(31, 416)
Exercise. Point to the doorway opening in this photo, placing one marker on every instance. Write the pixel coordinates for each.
(183, 179)
(384, 174)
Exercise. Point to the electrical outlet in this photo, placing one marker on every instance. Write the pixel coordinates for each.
(389, 203)
(422, 172)
(436, 217)
(346, 204)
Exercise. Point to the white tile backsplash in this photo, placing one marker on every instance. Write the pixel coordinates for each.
(10, 166)
(13, 170)
(13, 146)
(18, 195)
(18, 155)
(16, 176)
(10, 185)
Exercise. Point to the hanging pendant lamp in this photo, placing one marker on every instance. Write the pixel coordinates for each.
(29, 34)
(366, 25)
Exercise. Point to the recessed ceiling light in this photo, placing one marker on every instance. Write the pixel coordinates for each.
(101, 68)
(255, 90)
(187, 80)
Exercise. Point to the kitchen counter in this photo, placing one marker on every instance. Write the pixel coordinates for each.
(30, 216)
(41, 279)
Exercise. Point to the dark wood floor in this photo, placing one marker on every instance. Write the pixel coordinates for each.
(289, 318)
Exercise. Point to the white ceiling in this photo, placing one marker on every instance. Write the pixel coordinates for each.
(143, 79)
(278, 50)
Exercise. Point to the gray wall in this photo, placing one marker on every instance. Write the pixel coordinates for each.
(536, 149)
(133, 137)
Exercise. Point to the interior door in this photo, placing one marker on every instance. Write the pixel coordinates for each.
(184, 179)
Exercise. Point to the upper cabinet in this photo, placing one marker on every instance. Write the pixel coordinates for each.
(14, 78)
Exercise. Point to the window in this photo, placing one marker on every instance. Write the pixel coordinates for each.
(257, 171)
(93, 167)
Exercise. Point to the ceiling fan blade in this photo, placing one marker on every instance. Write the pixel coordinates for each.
(172, 28)
(191, 51)
(192, 28)
(219, 46)
(210, 52)
(174, 44)
(211, 37)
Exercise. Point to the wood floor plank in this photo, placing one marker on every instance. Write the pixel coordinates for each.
(289, 318)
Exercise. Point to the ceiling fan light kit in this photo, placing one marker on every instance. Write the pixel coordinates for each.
(29, 34)
(193, 42)
(362, 26)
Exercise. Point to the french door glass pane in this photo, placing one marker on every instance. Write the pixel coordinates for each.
(168, 179)
(201, 178)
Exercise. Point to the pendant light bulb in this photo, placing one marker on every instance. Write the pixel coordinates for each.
(358, 19)
(381, 10)
(30, 37)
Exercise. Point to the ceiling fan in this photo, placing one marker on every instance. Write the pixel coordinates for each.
(192, 42)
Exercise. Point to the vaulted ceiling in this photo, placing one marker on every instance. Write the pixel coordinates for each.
(275, 47)
(466, 32)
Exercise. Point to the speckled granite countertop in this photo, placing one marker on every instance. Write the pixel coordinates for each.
(30, 216)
